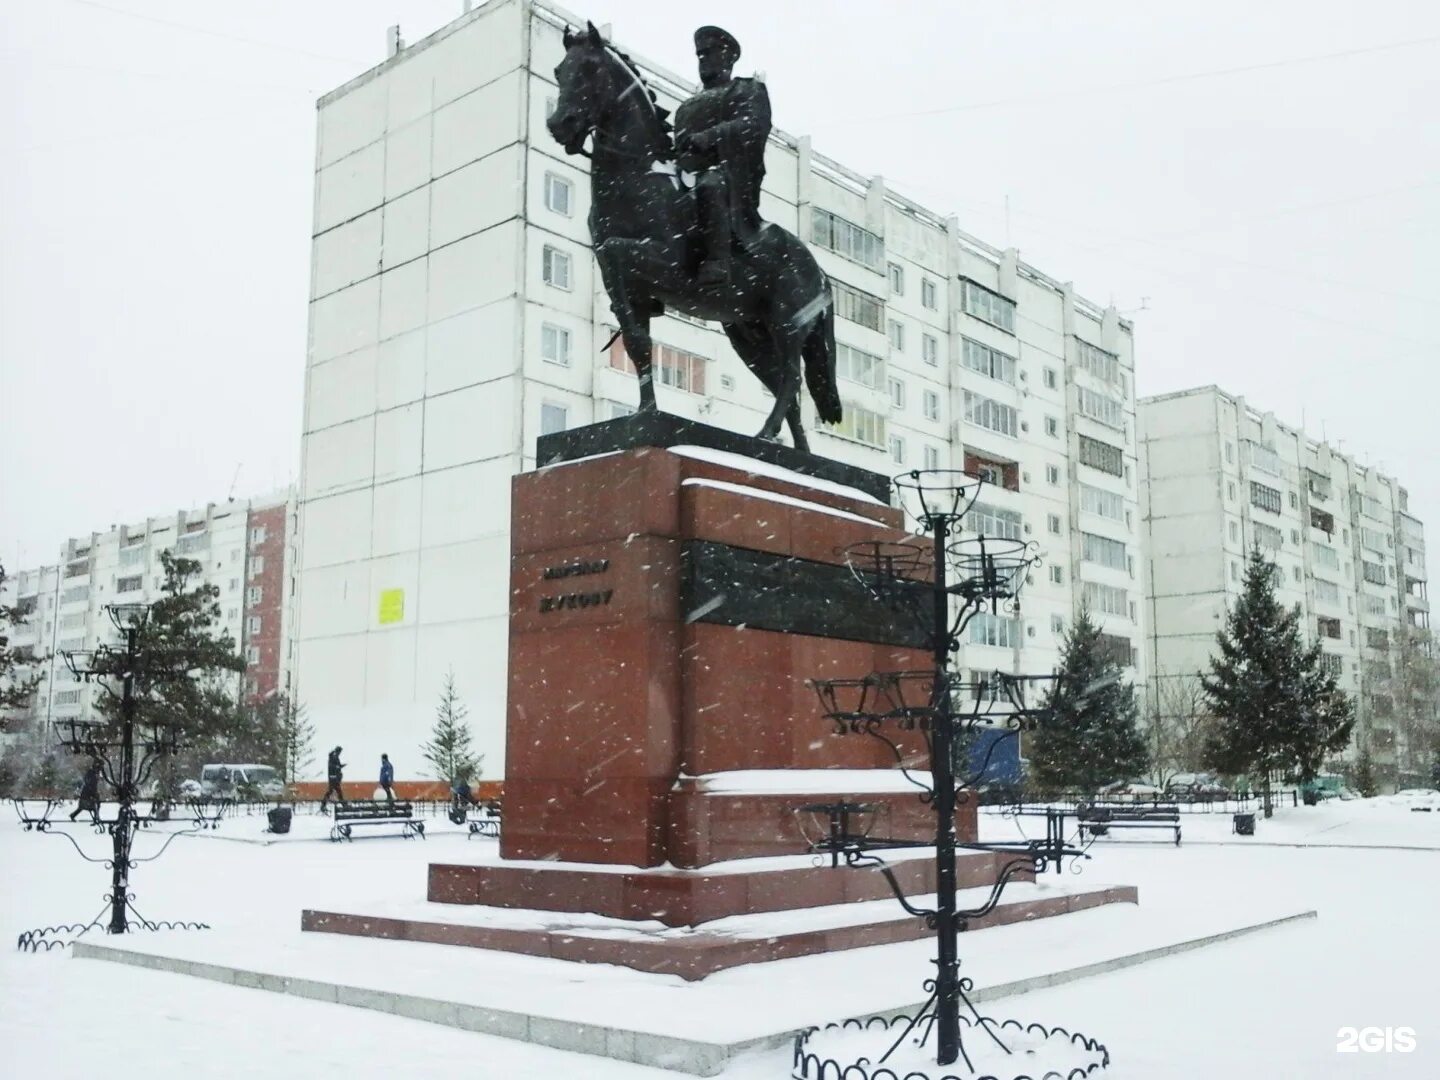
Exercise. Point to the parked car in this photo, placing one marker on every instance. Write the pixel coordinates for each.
(1130, 791)
(230, 781)
(1199, 785)
(190, 789)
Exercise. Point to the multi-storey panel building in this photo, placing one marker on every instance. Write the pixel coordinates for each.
(456, 315)
(244, 548)
(1220, 478)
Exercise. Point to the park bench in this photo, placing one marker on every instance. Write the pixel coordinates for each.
(207, 810)
(33, 818)
(350, 815)
(1098, 820)
(488, 823)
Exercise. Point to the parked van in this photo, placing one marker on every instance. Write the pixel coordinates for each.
(228, 781)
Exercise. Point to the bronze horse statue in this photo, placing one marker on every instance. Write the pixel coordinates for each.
(776, 306)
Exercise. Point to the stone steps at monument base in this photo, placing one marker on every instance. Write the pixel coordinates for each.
(693, 897)
(695, 953)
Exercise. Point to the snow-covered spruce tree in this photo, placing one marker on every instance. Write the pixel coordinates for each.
(297, 739)
(1363, 774)
(17, 683)
(448, 750)
(1277, 709)
(1090, 735)
(183, 633)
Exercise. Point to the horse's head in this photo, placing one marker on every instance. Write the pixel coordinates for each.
(585, 79)
(594, 80)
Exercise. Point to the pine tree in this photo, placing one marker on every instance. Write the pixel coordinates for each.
(1277, 709)
(1364, 771)
(1090, 734)
(183, 634)
(448, 750)
(16, 684)
(297, 740)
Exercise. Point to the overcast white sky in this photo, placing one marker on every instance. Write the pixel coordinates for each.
(1262, 178)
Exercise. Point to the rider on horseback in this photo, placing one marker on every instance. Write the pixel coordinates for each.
(720, 135)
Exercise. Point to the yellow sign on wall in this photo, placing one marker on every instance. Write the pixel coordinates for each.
(392, 606)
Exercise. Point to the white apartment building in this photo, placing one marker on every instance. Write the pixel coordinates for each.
(456, 314)
(245, 549)
(1218, 477)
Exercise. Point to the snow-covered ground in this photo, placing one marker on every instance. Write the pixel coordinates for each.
(1269, 1005)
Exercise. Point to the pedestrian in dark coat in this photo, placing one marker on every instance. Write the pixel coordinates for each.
(89, 793)
(334, 769)
(387, 778)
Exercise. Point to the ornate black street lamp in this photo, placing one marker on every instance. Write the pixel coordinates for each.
(942, 584)
(125, 760)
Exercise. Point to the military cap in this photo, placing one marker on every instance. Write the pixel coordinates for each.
(707, 36)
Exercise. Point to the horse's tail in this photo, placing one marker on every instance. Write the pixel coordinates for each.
(819, 354)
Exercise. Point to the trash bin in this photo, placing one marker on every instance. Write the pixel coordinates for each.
(1310, 797)
(1245, 824)
(280, 819)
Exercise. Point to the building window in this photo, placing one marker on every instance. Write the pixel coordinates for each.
(252, 625)
(988, 413)
(929, 296)
(897, 279)
(555, 344)
(1266, 498)
(1052, 380)
(897, 393)
(1230, 491)
(861, 425)
(1004, 474)
(258, 534)
(132, 555)
(857, 306)
(988, 629)
(1372, 572)
(932, 457)
(897, 335)
(553, 418)
(932, 405)
(1327, 592)
(1102, 456)
(252, 654)
(1057, 625)
(930, 349)
(1100, 408)
(1294, 501)
(1295, 573)
(992, 521)
(130, 584)
(1105, 599)
(846, 238)
(1267, 536)
(897, 449)
(254, 594)
(1052, 427)
(1234, 533)
(1230, 453)
(1052, 475)
(257, 565)
(1324, 555)
(673, 367)
(859, 366)
(1098, 362)
(555, 267)
(1116, 648)
(1053, 523)
(1057, 575)
(990, 306)
(1295, 537)
(558, 193)
(1234, 571)
(1103, 551)
(991, 363)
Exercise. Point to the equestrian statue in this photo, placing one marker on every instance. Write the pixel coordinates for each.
(676, 221)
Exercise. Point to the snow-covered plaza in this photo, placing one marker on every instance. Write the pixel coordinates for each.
(1271, 1003)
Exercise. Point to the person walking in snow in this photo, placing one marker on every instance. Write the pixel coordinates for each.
(89, 793)
(334, 769)
(387, 778)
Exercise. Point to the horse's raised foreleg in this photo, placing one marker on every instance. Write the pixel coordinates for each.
(633, 319)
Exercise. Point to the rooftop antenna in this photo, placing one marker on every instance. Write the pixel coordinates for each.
(233, 481)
